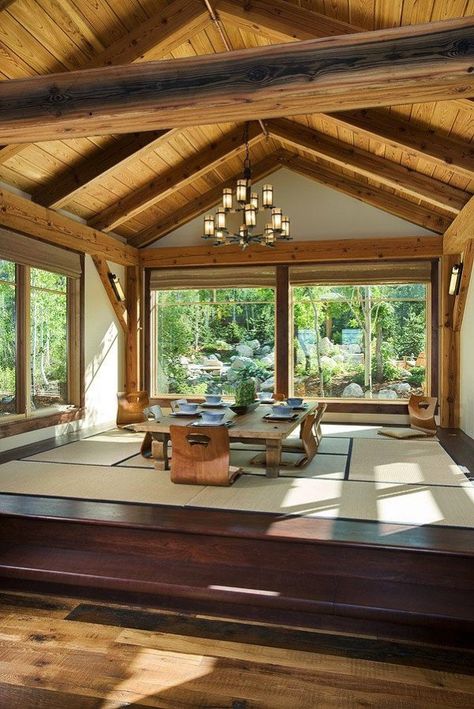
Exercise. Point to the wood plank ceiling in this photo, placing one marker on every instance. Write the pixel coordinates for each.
(415, 161)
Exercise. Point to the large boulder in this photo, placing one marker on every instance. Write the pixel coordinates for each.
(240, 362)
(401, 388)
(244, 350)
(387, 394)
(328, 363)
(353, 391)
(269, 360)
(266, 349)
(325, 346)
(254, 344)
(268, 384)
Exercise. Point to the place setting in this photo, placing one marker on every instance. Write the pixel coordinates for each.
(286, 411)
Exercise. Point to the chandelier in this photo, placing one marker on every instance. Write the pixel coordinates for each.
(248, 204)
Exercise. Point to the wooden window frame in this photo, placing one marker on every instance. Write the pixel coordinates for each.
(283, 344)
(25, 420)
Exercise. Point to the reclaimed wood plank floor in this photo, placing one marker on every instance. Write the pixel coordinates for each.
(63, 653)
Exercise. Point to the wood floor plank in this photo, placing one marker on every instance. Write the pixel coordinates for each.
(65, 663)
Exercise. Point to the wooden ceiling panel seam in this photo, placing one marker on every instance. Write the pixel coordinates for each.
(166, 183)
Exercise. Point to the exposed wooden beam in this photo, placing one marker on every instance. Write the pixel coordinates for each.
(285, 22)
(401, 178)
(393, 204)
(193, 209)
(461, 298)
(402, 65)
(176, 177)
(419, 142)
(26, 217)
(164, 31)
(449, 350)
(460, 230)
(67, 185)
(380, 248)
(5, 3)
(133, 371)
(281, 20)
(119, 308)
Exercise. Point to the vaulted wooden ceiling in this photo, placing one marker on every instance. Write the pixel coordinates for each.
(415, 161)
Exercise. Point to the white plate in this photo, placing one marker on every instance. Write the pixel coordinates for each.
(205, 405)
(281, 417)
(202, 423)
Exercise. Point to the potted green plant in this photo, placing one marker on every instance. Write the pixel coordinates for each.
(245, 395)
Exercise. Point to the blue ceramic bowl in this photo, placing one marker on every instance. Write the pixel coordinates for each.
(186, 408)
(212, 417)
(282, 410)
(294, 401)
(213, 399)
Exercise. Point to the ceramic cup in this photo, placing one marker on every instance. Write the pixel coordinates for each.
(282, 410)
(186, 408)
(264, 395)
(294, 401)
(212, 417)
(213, 399)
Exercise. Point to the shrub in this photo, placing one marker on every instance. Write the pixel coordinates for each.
(417, 376)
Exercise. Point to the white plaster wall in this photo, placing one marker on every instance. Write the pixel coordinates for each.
(316, 212)
(104, 350)
(467, 366)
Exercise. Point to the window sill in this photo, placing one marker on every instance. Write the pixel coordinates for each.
(38, 420)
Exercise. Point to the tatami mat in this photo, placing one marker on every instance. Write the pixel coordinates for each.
(345, 499)
(137, 461)
(330, 466)
(94, 483)
(100, 450)
(405, 461)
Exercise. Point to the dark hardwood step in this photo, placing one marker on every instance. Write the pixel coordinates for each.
(306, 591)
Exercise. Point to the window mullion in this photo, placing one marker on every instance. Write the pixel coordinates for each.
(23, 339)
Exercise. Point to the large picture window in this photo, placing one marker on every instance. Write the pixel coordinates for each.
(202, 338)
(8, 338)
(360, 341)
(39, 343)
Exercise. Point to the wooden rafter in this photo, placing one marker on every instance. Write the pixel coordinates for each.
(380, 248)
(393, 204)
(285, 22)
(403, 65)
(68, 184)
(196, 207)
(174, 178)
(281, 20)
(162, 33)
(26, 217)
(420, 142)
(460, 230)
(404, 180)
(120, 309)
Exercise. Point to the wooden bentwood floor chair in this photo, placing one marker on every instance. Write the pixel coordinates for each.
(421, 410)
(131, 407)
(202, 456)
(307, 444)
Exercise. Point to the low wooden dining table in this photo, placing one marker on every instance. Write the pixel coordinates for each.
(246, 428)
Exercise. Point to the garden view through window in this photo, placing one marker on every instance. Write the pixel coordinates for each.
(359, 341)
(348, 341)
(33, 367)
(206, 339)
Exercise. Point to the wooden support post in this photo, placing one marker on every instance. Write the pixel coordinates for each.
(282, 345)
(133, 377)
(449, 349)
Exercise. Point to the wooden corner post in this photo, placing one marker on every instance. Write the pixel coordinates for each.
(133, 375)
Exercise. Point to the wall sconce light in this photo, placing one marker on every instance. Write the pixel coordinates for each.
(116, 287)
(455, 280)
